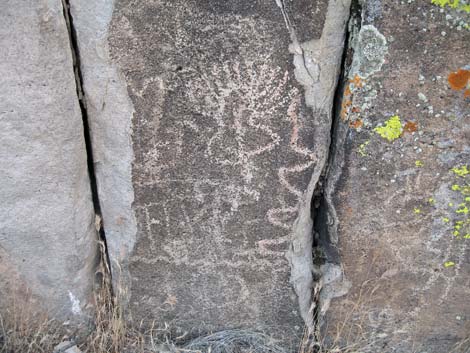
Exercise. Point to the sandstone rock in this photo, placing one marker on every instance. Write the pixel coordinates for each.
(211, 124)
(47, 240)
(396, 202)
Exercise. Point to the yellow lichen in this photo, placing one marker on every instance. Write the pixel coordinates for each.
(462, 171)
(453, 4)
(392, 129)
(462, 209)
(419, 164)
(362, 148)
(465, 190)
(449, 264)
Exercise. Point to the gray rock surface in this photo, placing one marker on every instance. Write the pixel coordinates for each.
(47, 236)
(211, 125)
(398, 202)
(110, 113)
(66, 347)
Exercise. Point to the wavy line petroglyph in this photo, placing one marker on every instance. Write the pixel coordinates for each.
(275, 215)
(317, 65)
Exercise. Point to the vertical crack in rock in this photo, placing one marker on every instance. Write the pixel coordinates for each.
(320, 67)
(86, 129)
(326, 254)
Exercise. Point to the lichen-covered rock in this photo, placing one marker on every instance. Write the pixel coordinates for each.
(402, 201)
(47, 236)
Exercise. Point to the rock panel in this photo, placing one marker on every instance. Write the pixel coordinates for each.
(401, 200)
(228, 116)
(47, 236)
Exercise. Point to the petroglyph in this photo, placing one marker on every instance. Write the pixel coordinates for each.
(224, 148)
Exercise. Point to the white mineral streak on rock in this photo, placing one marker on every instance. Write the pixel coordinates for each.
(76, 310)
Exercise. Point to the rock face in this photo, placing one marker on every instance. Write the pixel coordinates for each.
(402, 198)
(47, 236)
(206, 170)
(236, 189)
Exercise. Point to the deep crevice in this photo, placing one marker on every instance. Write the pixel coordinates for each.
(321, 230)
(324, 249)
(87, 135)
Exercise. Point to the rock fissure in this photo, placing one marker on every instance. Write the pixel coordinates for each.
(87, 135)
(325, 247)
(324, 78)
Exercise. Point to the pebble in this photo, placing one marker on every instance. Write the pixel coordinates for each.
(66, 347)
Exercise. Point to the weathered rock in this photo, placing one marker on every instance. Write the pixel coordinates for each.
(47, 237)
(67, 347)
(206, 173)
(395, 202)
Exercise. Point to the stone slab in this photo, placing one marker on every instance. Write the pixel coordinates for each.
(47, 236)
(211, 124)
(395, 202)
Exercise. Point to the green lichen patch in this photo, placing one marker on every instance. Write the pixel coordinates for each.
(449, 264)
(453, 4)
(457, 12)
(462, 171)
(392, 129)
(362, 148)
(370, 48)
(461, 210)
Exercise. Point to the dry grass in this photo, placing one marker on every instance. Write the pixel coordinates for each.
(21, 331)
(24, 332)
(109, 334)
(462, 347)
(350, 335)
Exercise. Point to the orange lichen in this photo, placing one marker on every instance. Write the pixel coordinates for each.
(356, 124)
(459, 80)
(345, 108)
(466, 94)
(356, 81)
(410, 127)
(356, 109)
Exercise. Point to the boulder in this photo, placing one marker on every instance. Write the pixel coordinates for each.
(47, 236)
